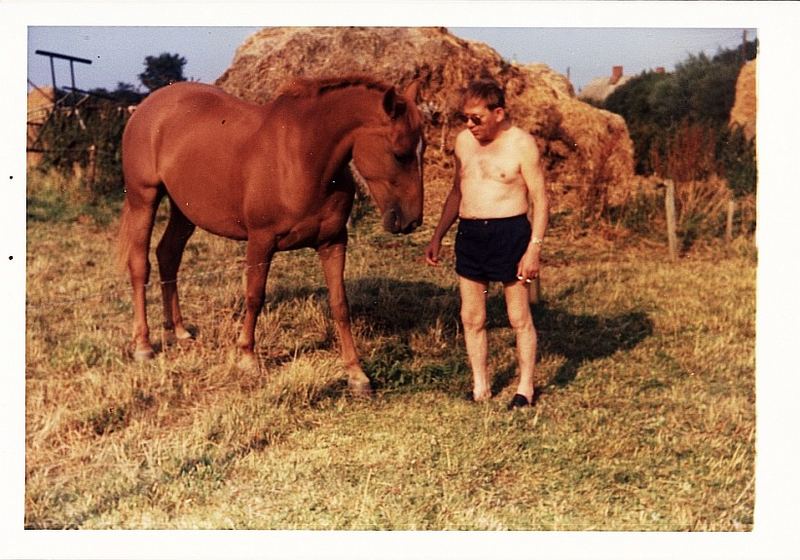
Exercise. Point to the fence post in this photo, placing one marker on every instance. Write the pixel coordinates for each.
(672, 235)
(729, 222)
(92, 167)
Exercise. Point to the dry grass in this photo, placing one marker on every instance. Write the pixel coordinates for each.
(646, 422)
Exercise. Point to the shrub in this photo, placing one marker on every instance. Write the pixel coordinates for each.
(737, 157)
(634, 102)
(689, 155)
(660, 108)
(84, 138)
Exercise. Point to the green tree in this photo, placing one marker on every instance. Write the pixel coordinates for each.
(706, 89)
(639, 103)
(162, 70)
(737, 56)
(663, 111)
(125, 93)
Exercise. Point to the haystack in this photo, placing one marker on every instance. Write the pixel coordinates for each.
(743, 112)
(40, 105)
(584, 149)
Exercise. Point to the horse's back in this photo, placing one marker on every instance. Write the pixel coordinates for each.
(204, 113)
(193, 139)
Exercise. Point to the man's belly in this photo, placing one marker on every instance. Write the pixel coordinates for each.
(493, 201)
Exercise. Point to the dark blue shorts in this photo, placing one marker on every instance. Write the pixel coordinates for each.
(490, 250)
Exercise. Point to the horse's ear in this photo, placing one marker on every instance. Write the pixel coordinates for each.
(392, 104)
(412, 91)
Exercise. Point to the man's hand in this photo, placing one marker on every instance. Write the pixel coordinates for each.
(528, 267)
(432, 252)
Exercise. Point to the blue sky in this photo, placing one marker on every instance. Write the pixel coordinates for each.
(588, 53)
(118, 53)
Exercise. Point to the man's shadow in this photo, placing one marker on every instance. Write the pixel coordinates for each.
(579, 338)
(398, 309)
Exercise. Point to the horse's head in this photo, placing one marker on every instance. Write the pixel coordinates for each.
(389, 158)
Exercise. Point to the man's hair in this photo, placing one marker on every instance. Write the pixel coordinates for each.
(487, 91)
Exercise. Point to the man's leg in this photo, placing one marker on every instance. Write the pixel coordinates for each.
(519, 315)
(473, 317)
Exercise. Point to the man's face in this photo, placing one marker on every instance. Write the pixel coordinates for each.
(484, 123)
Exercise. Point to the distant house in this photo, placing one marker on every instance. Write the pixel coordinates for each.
(600, 88)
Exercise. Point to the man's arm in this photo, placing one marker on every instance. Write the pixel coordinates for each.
(449, 215)
(531, 170)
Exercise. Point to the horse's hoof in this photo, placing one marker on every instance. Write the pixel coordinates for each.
(183, 335)
(183, 340)
(248, 362)
(144, 355)
(360, 389)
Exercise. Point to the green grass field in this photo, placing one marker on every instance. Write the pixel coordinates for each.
(646, 420)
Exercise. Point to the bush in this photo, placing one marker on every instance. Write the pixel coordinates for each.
(634, 102)
(643, 213)
(84, 138)
(689, 154)
(737, 156)
(683, 111)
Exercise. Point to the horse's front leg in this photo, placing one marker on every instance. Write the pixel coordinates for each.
(260, 250)
(333, 259)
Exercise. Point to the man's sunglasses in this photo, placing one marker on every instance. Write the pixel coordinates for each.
(474, 119)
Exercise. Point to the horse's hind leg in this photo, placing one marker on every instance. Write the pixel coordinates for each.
(139, 214)
(169, 253)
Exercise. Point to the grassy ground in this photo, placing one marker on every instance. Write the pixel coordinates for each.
(646, 422)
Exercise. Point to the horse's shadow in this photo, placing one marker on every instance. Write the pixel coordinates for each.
(395, 310)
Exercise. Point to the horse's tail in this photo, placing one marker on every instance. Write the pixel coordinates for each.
(124, 239)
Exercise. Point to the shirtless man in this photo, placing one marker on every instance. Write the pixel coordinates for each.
(497, 180)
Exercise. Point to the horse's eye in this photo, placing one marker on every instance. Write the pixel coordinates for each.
(405, 159)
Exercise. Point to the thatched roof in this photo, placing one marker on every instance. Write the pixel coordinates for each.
(600, 88)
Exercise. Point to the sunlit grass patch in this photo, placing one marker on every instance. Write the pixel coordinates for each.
(646, 370)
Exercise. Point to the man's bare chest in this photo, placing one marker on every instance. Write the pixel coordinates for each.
(490, 167)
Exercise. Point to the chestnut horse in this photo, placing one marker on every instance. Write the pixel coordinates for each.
(275, 175)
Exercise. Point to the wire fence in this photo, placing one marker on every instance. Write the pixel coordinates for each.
(115, 290)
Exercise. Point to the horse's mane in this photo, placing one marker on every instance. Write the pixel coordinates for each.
(308, 88)
(304, 87)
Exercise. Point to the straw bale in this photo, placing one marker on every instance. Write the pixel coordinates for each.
(40, 105)
(743, 112)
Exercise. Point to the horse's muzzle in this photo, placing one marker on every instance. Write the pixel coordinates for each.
(414, 224)
(393, 222)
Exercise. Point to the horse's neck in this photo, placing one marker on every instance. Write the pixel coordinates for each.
(332, 121)
(349, 108)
